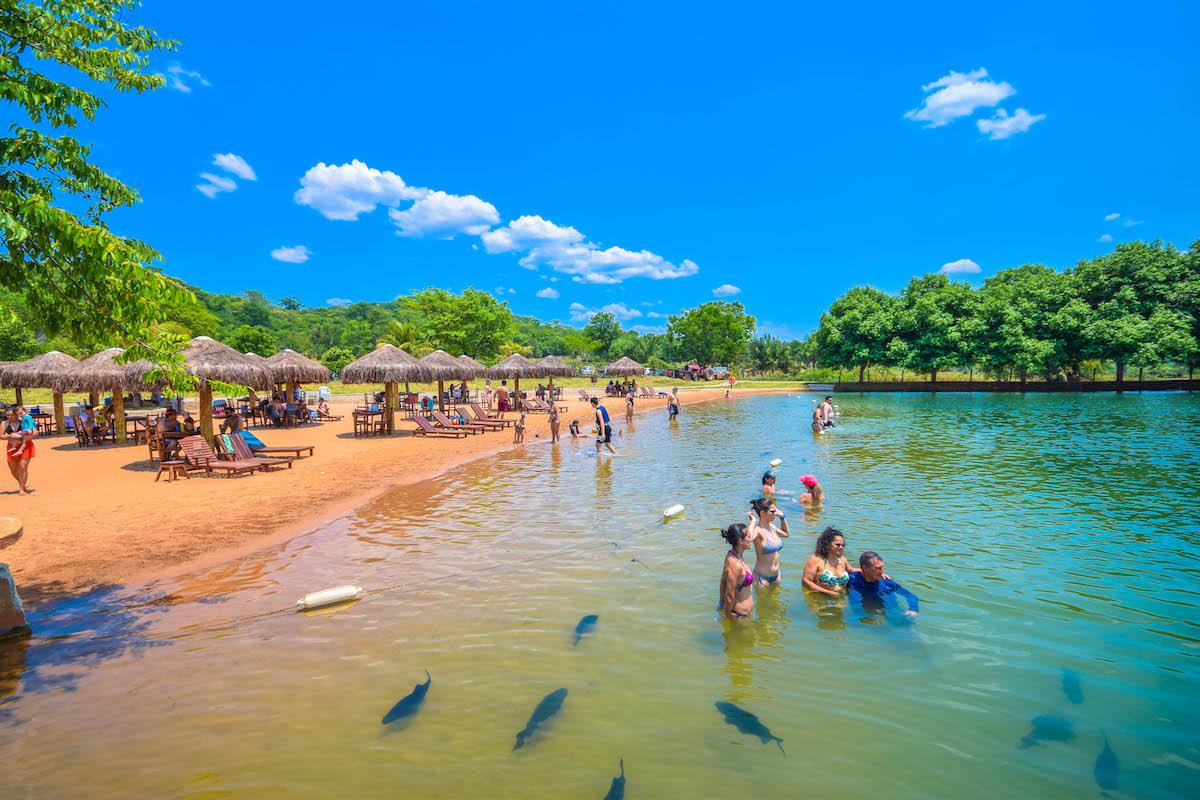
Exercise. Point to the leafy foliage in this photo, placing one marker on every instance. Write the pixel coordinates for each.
(716, 332)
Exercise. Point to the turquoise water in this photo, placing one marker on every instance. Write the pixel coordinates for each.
(1043, 533)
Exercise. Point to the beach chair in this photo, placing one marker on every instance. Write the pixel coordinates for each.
(482, 416)
(545, 405)
(584, 396)
(489, 424)
(425, 428)
(532, 408)
(442, 421)
(234, 448)
(257, 448)
(328, 417)
(200, 455)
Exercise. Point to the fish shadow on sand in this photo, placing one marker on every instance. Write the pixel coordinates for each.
(546, 710)
(584, 626)
(747, 723)
(1107, 770)
(617, 790)
(1072, 686)
(1048, 728)
(401, 714)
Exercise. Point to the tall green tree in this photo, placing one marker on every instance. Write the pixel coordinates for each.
(78, 277)
(856, 329)
(474, 323)
(1015, 306)
(938, 323)
(253, 339)
(604, 328)
(716, 332)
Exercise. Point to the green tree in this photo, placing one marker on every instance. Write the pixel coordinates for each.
(290, 303)
(17, 343)
(856, 329)
(1015, 306)
(253, 339)
(335, 359)
(474, 323)
(604, 328)
(769, 354)
(714, 333)
(580, 344)
(938, 324)
(77, 276)
(357, 337)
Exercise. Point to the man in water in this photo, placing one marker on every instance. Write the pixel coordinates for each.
(603, 427)
(874, 588)
(827, 412)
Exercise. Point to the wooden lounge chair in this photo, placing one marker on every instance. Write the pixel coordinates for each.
(545, 405)
(201, 456)
(233, 447)
(322, 417)
(490, 424)
(296, 450)
(532, 408)
(584, 396)
(442, 421)
(482, 416)
(425, 428)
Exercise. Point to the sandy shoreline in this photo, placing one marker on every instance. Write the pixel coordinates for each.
(98, 518)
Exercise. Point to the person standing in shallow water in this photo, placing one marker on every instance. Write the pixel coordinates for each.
(603, 427)
(673, 404)
(815, 495)
(827, 570)
(736, 594)
(554, 422)
(767, 539)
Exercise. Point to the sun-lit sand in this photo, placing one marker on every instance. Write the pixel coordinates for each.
(97, 517)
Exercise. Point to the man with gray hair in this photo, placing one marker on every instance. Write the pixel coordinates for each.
(874, 588)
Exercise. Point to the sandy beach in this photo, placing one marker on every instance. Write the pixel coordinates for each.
(97, 517)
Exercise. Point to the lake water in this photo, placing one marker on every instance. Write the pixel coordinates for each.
(1043, 533)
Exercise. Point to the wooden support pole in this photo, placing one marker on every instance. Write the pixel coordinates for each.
(206, 420)
(441, 403)
(389, 390)
(60, 414)
(118, 408)
(20, 400)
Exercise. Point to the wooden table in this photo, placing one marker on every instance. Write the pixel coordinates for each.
(46, 423)
(370, 422)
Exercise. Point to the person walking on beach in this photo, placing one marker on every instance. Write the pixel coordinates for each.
(629, 405)
(19, 430)
(874, 587)
(603, 427)
(729, 377)
(736, 594)
(553, 423)
(502, 398)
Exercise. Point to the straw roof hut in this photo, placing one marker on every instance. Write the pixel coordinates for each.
(389, 365)
(447, 367)
(556, 366)
(209, 360)
(625, 366)
(516, 366)
(256, 358)
(40, 372)
(288, 366)
(470, 362)
(101, 372)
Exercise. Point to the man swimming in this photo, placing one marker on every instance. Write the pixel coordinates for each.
(874, 588)
(603, 427)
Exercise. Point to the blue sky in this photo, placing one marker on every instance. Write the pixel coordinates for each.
(649, 159)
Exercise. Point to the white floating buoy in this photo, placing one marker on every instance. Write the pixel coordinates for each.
(327, 597)
(775, 462)
(673, 511)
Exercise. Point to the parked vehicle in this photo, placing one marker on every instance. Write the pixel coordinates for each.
(587, 369)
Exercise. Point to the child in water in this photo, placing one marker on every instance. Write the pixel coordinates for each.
(574, 428)
(519, 430)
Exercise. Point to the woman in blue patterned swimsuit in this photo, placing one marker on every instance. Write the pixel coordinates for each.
(827, 570)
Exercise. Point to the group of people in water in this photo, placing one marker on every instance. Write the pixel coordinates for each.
(827, 571)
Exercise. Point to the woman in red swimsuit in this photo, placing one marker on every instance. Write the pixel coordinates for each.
(18, 439)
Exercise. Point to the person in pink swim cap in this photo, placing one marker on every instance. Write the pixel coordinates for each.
(815, 495)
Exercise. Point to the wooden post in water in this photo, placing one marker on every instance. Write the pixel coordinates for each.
(119, 416)
(206, 420)
(60, 414)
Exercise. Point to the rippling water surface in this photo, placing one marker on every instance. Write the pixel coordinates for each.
(1043, 533)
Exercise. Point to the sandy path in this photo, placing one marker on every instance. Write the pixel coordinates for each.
(97, 517)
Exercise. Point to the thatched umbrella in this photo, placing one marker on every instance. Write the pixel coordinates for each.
(625, 366)
(473, 364)
(288, 366)
(102, 372)
(389, 365)
(209, 360)
(262, 362)
(555, 366)
(4, 385)
(40, 372)
(516, 366)
(446, 367)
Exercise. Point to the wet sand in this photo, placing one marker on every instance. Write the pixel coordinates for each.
(98, 518)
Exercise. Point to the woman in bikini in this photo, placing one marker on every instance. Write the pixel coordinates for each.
(827, 570)
(767, 538)
(737, 579)
(18, 431)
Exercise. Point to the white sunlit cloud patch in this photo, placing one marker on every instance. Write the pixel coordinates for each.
(548, 293)
(215, 184)
(338, 301)
(291, 255)
(345, 191)
(1105, 238)
(234, 164)
(726, 290)
(1129, 223)
(960, 94)
(182, 80)
(581, 313)
(1114, 216)
(963, 266)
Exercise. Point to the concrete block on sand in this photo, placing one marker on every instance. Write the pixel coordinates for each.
(12, 615)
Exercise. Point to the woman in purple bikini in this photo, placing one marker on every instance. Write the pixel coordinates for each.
(737, 580)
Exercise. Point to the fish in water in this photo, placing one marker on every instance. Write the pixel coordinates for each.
(638, 561)
(617, 790)
(550, 705)
(1071, 686)
(586, 623)
(409, 704)
(748, 724)
(1108, 768)
(1048, 728)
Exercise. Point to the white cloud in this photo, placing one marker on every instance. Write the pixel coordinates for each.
(527, 232)
(500, 291)
(587, 263)
(445, 216)
(657, 315)
(644, 329)
(231, 162)
(963, 266)
(726, 290)
(548, 293)
(344, 191)
(581, 313)
(215, 184)
(338, 301)
(1106, 238)
(958, 95)
(180, 79)
(1129, 223)
(1001, 125)
(1111, 217)
(291, 255)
